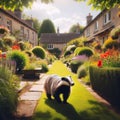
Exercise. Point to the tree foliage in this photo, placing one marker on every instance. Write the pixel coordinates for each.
(18, 4)
(102, 4)
(46, 27)
(76, 29)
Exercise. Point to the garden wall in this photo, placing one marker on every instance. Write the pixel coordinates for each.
(106, 82)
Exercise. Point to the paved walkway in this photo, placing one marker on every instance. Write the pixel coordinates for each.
(29, 94)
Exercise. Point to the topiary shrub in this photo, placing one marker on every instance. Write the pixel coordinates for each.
(39, 52)
(8, 93)
(21, 59)
(82, 71)
(110, 44)
(84, 51)
(74, 65)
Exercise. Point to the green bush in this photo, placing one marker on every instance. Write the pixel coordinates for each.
(29, 53)
(115, 32)
(82, 71)
(22, 45)
(109, 44)
(21, 59)
(74, 65)
(76, 51)
(106, 81)
(67, 53)
(8, 93)
(9, 40)
(39, 52)
(84, 51)
(44, 68)
(56, 52)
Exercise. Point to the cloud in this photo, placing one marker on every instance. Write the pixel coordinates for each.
(42, 11)
(62, 13)
(65, 23)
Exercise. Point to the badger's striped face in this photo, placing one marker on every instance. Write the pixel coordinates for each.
(69, 80)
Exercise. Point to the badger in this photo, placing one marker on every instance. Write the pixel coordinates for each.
(56, 85)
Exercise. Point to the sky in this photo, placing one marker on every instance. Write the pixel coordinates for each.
(63, 13)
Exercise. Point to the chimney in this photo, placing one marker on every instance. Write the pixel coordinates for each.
(89, 18)
(29, 22)
(18, 13)
(58, 31)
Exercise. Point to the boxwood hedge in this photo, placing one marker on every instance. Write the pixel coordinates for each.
(106, 82)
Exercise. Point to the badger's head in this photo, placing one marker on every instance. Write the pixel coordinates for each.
(68, 79)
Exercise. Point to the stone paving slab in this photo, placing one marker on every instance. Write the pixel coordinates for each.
(37, 88)
(26, 108)
(22, 85)
(30, 96)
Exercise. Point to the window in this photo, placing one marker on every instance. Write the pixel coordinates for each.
(88, 32)
(50, 46)
(107, 17)
(32, 35)
(96, 25)
(9, 25)
(22, 31)
(27, 34)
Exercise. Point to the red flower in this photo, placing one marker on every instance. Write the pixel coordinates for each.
(15, 47)
(4, 56)
(99, 64)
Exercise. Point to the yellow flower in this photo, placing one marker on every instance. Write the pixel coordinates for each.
(0, 52)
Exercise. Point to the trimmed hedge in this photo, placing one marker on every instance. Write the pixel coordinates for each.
(83, 51)
(106, 82)
(74, 65)
(39, 52)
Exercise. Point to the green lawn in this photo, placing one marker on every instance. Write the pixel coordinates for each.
(81, 104)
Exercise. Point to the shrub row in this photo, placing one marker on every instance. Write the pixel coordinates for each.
(106, 81)
(8, 93)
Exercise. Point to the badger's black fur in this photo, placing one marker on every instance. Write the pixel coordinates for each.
(55, 85)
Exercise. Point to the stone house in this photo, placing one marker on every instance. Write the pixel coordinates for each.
(22, 29)
(57, 40)
(98, 29)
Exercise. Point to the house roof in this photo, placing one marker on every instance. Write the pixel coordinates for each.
(57, 38)
(12, 15)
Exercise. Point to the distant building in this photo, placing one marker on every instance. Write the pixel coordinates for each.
(57, 40)
(22, 29)
(99, 28)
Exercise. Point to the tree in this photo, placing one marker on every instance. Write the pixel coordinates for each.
(46, 27)
(76, 29)
(102, 4)
(18, 4)
(36, 24)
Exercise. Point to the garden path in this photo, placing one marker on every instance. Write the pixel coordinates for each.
(30, 93)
